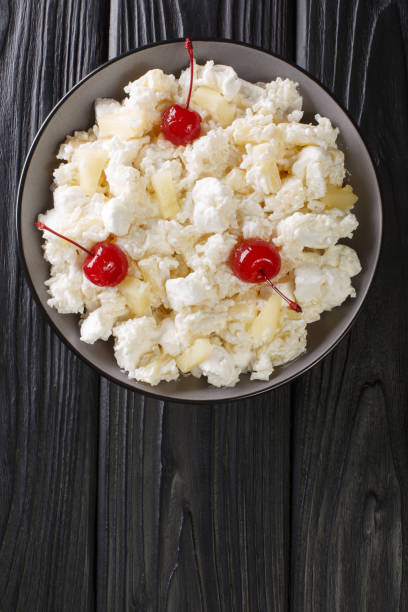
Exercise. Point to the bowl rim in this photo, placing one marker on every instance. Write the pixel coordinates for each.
(129, 386)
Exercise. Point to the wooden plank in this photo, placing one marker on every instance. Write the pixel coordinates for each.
(48, 418)
(193, 505)
(349, 525)
(269, 24)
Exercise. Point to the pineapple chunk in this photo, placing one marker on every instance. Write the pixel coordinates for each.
(236, 180)
(154, 78)
(263, 157)
(91, 161)
(125, 124)
(271, 175)
(213, 102)
(200, 350)
(150, 271)
(158, 368)
(339, 197)
(137, 295)
(151, 275)
(162, 182)
(261, 152)
(245, 134)
(266, 324)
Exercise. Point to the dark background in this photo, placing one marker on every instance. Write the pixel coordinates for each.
(296, 500)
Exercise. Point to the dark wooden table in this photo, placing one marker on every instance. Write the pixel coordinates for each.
(296, 500)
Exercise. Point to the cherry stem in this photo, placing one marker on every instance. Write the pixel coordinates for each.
(292, 304)
(188, 45)
(45, 227)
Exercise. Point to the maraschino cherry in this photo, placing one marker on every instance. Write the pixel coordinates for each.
(181, 125)
(257, 261)
(106, 264)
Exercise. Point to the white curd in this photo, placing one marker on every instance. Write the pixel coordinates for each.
(255, 172)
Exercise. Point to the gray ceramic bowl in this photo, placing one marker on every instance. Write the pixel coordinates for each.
(75, 111)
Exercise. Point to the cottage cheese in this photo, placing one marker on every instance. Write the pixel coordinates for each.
(256, 171)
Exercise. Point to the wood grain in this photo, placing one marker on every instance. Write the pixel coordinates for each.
(270, 23)
(193, 509)
(48, 416)
(349, 540)
(296, 500)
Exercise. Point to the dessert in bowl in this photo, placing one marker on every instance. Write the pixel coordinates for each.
(257, 171)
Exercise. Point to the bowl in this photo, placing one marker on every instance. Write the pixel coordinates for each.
(75, 111)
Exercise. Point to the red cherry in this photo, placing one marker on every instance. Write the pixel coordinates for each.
(181, 125)
(257, 261)
(252, 259)
(106, 264)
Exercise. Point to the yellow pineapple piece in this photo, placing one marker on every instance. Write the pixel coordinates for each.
(200, 350)
(271, 175)
(236, 180)
(264, 327)
(245, 134)
(163, 186)
(137, 295)
(125, 124)
(150, 271)
(153, 77)
(91, 161)
(339, 197)
(158, 368)
(213, 102)
(261, 151)
(263, 156)
(151, 275)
